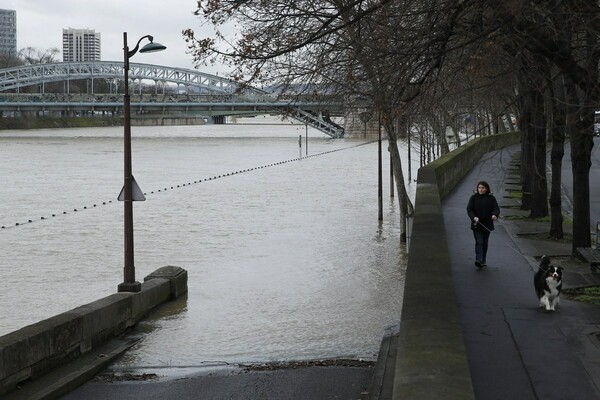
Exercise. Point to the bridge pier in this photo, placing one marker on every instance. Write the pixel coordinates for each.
(361, 123)
(218, 120)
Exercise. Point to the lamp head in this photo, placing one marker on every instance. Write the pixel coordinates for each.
(148, 48)
(152, 47)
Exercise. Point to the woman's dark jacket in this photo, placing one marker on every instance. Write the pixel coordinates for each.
(483, 206)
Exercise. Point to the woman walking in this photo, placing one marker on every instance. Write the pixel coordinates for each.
(483, 210)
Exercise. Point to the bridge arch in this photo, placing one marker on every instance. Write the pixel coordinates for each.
(40, 74)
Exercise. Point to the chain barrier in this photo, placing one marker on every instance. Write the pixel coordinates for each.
(156, 191)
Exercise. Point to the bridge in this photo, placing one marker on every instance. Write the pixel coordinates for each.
(156, 89)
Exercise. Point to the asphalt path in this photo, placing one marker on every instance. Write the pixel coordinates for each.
(515, 350)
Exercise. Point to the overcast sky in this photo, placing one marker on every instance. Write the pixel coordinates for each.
(40, 24)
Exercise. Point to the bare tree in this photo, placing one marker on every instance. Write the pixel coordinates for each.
(490, 60)
(31, 55)
(8, 60)
(385, 51)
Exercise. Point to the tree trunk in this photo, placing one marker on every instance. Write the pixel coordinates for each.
(444, 148)
(403, 199)
(539, 196)
(580, 126)
(526, 150)
(402, 123)
(581, 149)
(556, 156)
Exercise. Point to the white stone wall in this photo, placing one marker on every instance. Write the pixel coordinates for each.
(356, 127)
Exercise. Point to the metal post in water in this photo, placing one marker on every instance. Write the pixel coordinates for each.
(409, 224)
(300, 145)
(306, 130)
(409, 155)
(392, 176)
(380, 175)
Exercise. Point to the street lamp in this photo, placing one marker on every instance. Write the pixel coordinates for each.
(129, 283)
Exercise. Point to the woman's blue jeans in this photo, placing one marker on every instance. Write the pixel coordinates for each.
(481, 245)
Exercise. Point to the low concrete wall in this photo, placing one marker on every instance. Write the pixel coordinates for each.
(168, 121)
(431, 359)
(34, 350)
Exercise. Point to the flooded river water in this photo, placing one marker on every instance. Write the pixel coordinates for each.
(285, 262)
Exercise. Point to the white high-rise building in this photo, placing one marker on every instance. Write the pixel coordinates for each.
(81, 45)
(8, 32)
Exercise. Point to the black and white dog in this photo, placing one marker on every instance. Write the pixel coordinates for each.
(548, 284)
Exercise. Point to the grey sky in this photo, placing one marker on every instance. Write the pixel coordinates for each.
(40, 24)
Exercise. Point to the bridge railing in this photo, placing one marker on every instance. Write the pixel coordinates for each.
(144, 97)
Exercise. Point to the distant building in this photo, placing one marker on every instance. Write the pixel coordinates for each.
(81, 45)
(8, 33)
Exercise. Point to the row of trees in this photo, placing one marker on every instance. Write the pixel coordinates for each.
(435, 59)
(27, 56)
(32, 56)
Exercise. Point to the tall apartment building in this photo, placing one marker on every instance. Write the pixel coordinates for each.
(8, 32)
(81, 45)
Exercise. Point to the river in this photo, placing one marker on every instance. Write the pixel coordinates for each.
(286, 261)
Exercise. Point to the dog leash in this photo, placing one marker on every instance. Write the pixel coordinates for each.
(502, 240)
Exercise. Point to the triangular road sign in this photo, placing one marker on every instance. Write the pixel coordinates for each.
(136, 192)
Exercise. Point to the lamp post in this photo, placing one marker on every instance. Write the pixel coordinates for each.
(129, 283)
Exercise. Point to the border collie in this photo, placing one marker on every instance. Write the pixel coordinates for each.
(548, 283)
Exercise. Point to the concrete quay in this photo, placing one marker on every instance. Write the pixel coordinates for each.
(36, 362)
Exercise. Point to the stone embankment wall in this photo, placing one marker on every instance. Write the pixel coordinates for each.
(432, 360)
(89, 122)
(35, 350)
(359, 123)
